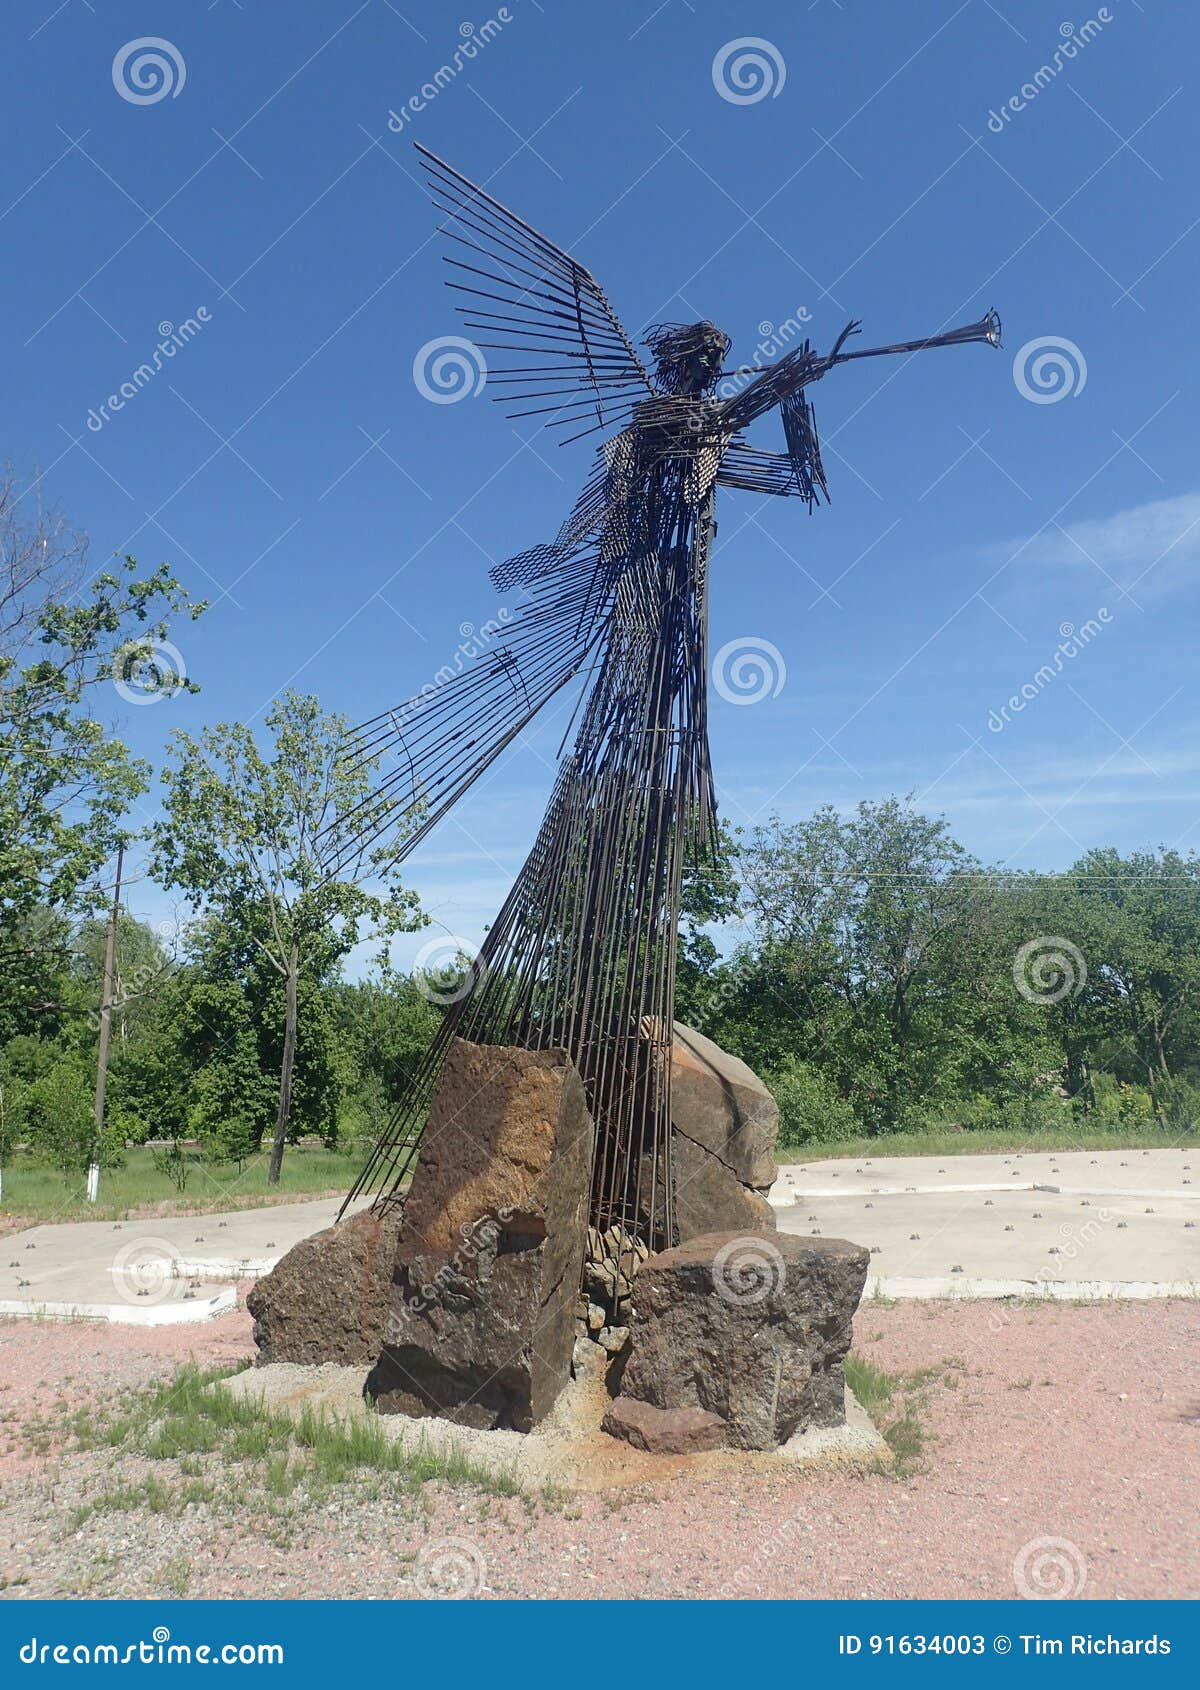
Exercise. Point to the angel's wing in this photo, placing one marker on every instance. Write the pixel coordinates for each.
(564, 350)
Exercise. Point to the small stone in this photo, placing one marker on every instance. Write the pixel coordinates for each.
(595, 1318)
(614, 1339)
(663, 1431)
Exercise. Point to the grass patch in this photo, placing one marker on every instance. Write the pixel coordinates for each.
(193, 1421)
(895, 1402)
(35, 1192)
(958, 1141)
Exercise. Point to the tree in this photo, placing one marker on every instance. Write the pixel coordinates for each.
(1137, 924)
(276, 848)
(857, 920)
(66, 782)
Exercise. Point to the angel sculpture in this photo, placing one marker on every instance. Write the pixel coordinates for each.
(582, 955)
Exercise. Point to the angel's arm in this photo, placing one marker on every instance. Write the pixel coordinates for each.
(783, 381)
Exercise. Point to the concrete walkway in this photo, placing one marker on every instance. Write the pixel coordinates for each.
(1082, 1224)
(149, 1272)
(1076, 1225)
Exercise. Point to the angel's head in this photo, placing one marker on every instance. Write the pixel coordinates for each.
(688, 356)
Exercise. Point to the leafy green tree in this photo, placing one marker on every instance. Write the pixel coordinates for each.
(278, 847)
(857, 919)
(1137, 924)
(66, 783)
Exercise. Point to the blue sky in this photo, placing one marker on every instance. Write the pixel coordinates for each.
(287, 464)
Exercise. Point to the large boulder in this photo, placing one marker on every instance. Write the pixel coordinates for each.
(482, 1318)
(725, 1122)
(328, 1298)
(751, 1328)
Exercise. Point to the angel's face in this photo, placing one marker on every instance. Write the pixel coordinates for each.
(700, 367)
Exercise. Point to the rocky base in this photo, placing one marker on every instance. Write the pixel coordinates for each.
(481, 1324)
(751, 1329)
(327, 1300)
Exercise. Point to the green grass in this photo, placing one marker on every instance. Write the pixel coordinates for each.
(895, 1403)
(191, 1421)
(36, 1192)
(950, 1141)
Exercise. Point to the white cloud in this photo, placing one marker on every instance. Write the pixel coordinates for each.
(1149, 546)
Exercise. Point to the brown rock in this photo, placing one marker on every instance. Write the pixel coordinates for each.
(482, 1318)
(327, 1299)
(724, 1128)
(663, 1431)
(751, 1327)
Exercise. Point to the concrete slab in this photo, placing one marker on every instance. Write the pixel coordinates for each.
(1078, 1225)
(1109, 1223)
(149, 1272)
(1152, 1172)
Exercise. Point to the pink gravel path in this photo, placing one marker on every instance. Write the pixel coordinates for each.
(1060, 1422)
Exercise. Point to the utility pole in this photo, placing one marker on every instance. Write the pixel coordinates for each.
(106, 1003)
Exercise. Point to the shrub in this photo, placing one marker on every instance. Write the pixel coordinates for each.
(1115, 1103)
(60, 1117)
(811, 1111)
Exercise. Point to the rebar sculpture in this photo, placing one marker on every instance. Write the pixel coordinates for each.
(582, 955)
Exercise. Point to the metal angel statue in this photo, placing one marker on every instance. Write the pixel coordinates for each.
(582, 954)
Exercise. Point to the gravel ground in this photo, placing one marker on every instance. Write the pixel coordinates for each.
(1077, 1425)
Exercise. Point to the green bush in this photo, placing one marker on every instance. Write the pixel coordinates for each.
(810, 1108)
(1179, 1104)
(60, 1117)
(1115, 1103)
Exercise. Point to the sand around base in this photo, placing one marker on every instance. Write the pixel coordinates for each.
(568, 1450)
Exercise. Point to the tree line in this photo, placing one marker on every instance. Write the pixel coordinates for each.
(889, 981)
(878, 976)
